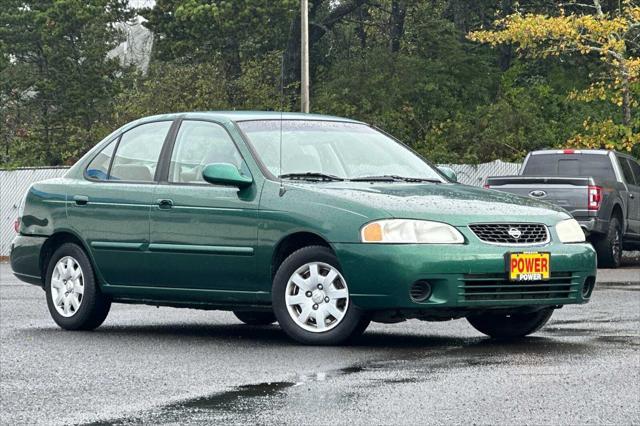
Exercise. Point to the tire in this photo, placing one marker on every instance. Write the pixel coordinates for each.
(609, 246)
(255, 318)
(510, 326)
(299, 292)
(361, 328)
(90, 307)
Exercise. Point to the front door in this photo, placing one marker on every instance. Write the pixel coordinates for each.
(110, 208)
(203, 236)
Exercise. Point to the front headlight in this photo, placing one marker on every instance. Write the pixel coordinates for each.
(569, 231)
(410, 231)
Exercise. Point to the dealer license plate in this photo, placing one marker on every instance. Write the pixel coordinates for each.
(528, 266)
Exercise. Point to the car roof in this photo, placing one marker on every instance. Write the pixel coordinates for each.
(248, 116)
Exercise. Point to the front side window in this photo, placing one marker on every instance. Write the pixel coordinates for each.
(137, 154)
(198, 144)
(343, 150)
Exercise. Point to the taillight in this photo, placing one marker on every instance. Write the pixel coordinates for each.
(16, 225)
(594, 197)
(486, 186)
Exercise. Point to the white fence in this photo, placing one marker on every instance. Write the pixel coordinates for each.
(14, 184)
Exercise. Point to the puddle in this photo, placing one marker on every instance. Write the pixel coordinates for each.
(225, 399)
(244, 399)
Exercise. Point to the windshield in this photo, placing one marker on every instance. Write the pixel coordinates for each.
(335, 149)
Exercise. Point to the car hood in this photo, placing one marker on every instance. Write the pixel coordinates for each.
(452, 203)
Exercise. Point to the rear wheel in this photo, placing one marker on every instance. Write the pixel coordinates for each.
(609, 246)
(255, 317)
(506, 326)
(74, 299)
(311, 299)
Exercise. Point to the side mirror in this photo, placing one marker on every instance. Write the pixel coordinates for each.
(448, 172)
(225, 174)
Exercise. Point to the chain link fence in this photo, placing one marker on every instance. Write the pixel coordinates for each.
(475, 175)
(13, 187)
(14, 184)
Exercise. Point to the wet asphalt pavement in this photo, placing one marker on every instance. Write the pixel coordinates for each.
(168, 366)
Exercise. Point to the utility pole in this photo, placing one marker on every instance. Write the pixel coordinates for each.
(304, 56)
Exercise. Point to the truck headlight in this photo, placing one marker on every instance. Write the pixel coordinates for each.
(407, 231)
(569, 231)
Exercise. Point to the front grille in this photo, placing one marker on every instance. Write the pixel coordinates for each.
(511, 233)
(496, 287)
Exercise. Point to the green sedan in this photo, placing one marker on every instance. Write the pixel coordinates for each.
(320, 223)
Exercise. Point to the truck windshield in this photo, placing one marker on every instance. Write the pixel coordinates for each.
(570, 165)
(336, 150)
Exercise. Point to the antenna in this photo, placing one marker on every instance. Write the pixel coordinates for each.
(282, 189)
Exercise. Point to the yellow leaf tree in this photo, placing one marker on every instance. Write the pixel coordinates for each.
(609, 37)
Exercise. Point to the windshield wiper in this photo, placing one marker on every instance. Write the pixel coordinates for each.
(392, 178)
(314, 176)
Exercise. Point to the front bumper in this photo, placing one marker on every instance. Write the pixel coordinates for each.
(25, 258)
(463, 277)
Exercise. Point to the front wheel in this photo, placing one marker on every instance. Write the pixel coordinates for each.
(73, 296)
(311, 299)
(510, 326)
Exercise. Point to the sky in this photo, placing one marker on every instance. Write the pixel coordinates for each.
(141, 3)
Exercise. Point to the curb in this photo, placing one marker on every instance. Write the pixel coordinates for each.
(616, 283)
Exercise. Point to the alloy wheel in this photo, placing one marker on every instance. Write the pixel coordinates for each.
(317, 297)
(616, 246)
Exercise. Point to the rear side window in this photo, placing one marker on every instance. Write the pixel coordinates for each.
(635, 167)
(570, 165)
(137, 154)
(99, 167)
(626, 170)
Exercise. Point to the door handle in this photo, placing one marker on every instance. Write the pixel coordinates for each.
(81, 200)
(630, 195)
(164, 204)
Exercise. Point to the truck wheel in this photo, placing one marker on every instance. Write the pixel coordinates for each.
(609, 246)
(73, 295)
(255, 317)
(311, 299)
(510, 326)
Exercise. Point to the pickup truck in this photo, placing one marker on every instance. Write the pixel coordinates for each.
(599, 188)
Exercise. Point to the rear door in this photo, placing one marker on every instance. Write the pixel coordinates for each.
(110, 208)
(203, 236)
(631, 174)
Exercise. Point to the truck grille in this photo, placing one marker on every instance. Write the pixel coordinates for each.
(511, 233)
(496, 287)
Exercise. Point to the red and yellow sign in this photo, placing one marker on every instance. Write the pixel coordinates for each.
(528, 266)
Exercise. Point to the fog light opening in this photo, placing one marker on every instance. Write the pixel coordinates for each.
(420, 291)
(588, 286)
